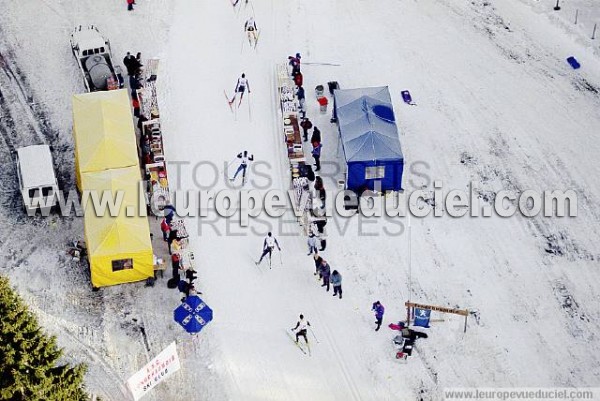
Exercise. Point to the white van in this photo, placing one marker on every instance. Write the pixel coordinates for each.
(37, 181)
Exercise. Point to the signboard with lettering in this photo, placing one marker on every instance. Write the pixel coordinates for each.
(162, 366)
(462, 312)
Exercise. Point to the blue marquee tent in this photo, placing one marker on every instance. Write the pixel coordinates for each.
(369, 139)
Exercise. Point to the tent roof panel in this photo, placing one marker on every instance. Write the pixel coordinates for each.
(366, 135)
(118, 234)
(103, 131)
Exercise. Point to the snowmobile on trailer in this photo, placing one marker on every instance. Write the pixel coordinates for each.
(94, 58)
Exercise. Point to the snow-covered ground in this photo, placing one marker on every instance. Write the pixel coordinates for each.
(496, 105)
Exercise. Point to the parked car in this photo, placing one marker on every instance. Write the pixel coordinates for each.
(37, 181)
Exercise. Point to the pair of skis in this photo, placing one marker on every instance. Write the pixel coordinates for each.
(232, 179)
(297, 343)
(251, 43)
(257, 263)
(234, 3)
(271, 261)
(256, 37)
(231, 102)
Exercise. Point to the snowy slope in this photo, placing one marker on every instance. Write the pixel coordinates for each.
(497, 105)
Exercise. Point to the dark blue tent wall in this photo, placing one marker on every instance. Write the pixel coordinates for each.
(369, 138)
(392, 180)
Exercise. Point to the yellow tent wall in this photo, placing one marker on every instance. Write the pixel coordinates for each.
(113, 238)
(103, 132)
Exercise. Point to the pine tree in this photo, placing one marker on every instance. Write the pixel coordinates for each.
(29, 368)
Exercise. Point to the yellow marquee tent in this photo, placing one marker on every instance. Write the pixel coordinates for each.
(103, 132)
(119, 246)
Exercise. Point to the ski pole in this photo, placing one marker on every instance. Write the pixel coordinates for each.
(227, 167)
(313, 334)
(280, 258)
(249, 108)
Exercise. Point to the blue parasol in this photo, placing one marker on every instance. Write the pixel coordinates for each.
(193, 314)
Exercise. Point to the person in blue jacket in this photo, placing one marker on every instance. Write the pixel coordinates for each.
(379, 310)
(325, 272)
(336, 282)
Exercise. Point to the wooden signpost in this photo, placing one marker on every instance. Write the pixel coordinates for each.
(461, 312)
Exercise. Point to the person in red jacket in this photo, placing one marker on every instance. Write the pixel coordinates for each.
(136, 106)
(164, 227)
(130, 4)
(298, 79)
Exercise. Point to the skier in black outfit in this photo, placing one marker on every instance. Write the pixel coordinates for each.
(243, 164)
(268, 245)
(240, 87)
(301, 326)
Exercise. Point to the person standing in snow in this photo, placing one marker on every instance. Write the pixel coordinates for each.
(301, 326)
(169, 213)
(175, 265)
(130, 4)
(316, 135)
(298, 78)
(171, 240)
(379, 310)
(294, 62)
(312, 244)
(240, 87)
(336, 282)
(325, 272)
(320, 190)
(135, 103)
(316, 154)
(313, 230)
(306, 124)
(323, 238)
(301, 96)
(243, 164)
(268, 245)
(318, 260)
(164, 227)
(129, 63)
(251, 30)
